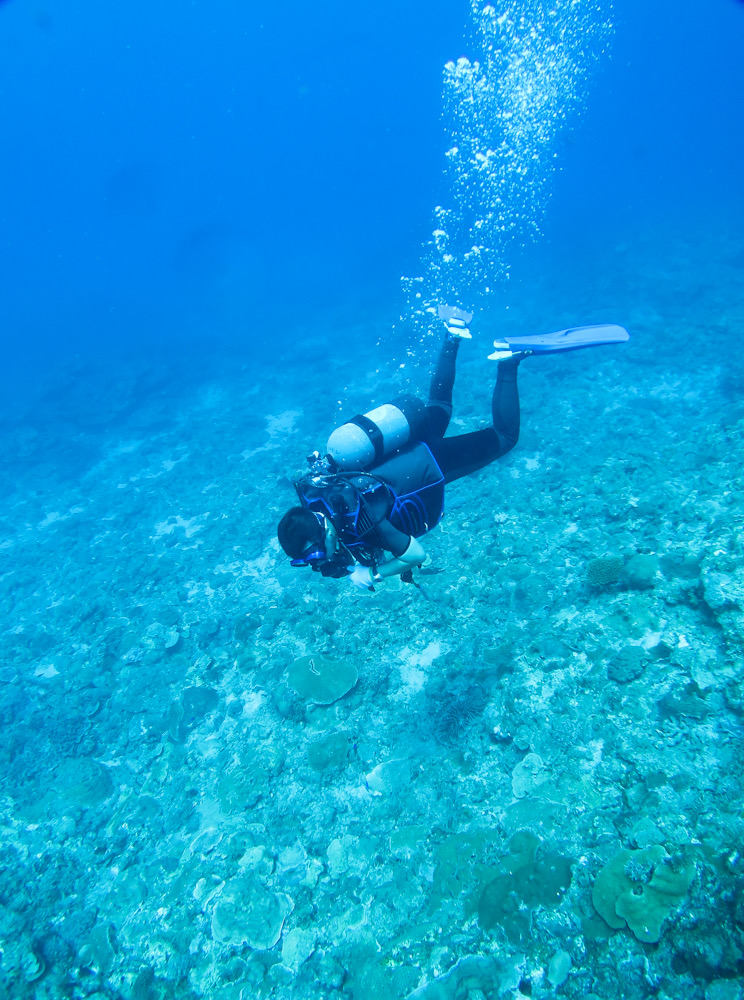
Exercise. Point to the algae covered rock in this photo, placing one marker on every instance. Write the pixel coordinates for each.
(321, 680)
(97, 953)
(491, 975)
(327, 752)
(528, 775)
(641, 571)
(723, 588)
(379, 981)
(297, 947)
(193, 705)
(723, 583)
(389, 777)
(241, 787)
(640, 889)
(248, 913)
(80, 781)
(559, 968)
(526, 879)
(464, 864)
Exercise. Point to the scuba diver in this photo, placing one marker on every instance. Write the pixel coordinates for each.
(379, 488)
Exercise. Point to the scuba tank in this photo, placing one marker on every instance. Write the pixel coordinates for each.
(369, 437)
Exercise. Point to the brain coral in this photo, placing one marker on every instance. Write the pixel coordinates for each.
(604, 571)
(640, 889)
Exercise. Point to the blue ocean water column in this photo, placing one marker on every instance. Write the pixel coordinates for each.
(504, 107)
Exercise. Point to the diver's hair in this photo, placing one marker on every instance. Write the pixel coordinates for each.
(297, 531)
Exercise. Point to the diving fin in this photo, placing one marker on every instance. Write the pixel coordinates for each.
(454, 312)
(572, 339)
(456, 320)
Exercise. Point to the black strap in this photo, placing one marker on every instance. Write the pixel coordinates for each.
(372, 431)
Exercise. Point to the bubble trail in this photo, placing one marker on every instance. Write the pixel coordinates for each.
(503, 112)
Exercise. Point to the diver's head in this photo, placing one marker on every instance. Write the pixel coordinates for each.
(302, 535)
(310, 539)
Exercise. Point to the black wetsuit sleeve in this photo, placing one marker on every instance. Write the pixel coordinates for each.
(391, 539)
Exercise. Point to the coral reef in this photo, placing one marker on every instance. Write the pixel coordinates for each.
(321, 680)
(604, 571)
(640, 889)
(225, 777)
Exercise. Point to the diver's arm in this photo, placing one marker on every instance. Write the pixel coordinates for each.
(413, 556)
(406, 551)
(365, 577)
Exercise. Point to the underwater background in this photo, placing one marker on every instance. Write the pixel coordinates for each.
(221, 227)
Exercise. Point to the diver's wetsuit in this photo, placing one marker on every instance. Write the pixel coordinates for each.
(462, 454)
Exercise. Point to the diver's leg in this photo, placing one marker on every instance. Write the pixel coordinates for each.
(463, 454)
(439, 404)
(505, 405)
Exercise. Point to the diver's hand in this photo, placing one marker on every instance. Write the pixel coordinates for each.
(361, 577)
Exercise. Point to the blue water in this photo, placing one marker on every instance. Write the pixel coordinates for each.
(169, 172)
(212, 220)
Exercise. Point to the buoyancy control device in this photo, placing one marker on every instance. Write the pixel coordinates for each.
(407, 489)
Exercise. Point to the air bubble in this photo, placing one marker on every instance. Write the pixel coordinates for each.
(503, 111)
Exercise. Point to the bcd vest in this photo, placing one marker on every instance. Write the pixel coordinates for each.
(407, 489)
